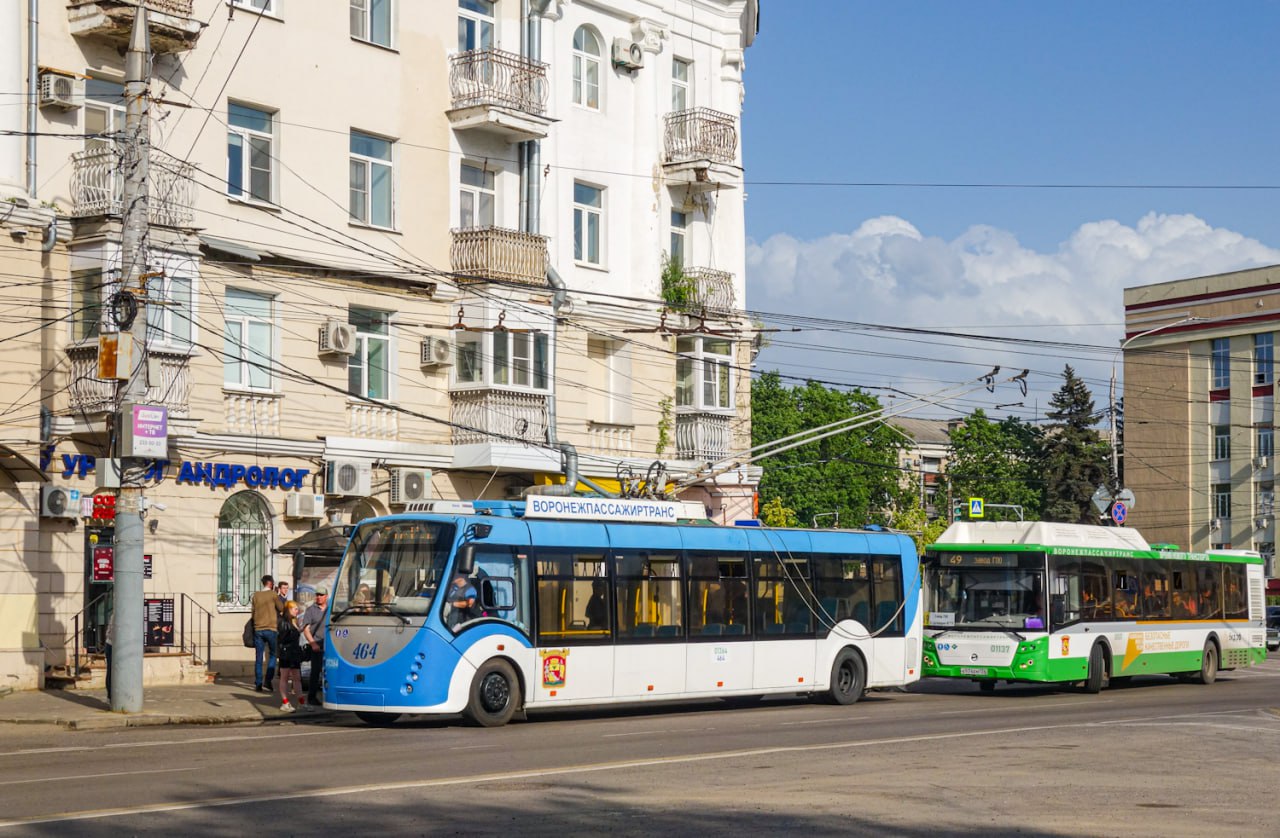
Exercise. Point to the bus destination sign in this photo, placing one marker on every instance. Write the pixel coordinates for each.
(979, 560)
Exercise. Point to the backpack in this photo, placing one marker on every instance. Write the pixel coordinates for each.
(248, 634)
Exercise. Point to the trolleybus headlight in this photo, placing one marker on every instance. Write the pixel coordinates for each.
(414, 676)
(407, 689)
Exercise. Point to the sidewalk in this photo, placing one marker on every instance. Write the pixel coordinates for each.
(224, 702)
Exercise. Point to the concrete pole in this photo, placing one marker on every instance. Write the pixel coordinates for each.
(126, 683)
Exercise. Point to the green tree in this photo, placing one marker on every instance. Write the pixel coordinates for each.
(854, 474)
(998, 462)
(774, 514)
(913, 519)
(1076, 458)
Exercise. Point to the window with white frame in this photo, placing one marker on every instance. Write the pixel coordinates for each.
(704, 373)
(1263, 358)
(250, 142)
(588, 221)
(264, 6)
(1221, 353)
(475, 24)
(587, 62)
(681, 79)
(476, 197)
(1264, 440)
(679, 229)
(369, 369)
(170, 322)
(1266, 498)
(88, 316)
(103, 112)
(1221, 496)
(247, 343)
(608, 381)
(507, 358)
(1222, 442)
(371, 21)
(372, 194)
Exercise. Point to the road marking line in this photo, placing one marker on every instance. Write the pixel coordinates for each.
(1002, 709)
(205, 739)
(474, 779)
(95, 776)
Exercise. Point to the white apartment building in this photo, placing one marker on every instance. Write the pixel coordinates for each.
(402, 250)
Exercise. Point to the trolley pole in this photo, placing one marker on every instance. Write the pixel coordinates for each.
(126, 675)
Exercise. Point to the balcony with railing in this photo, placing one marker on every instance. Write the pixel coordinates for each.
(710, 291)
(97, 187)
(499, 92)
(252, 414)
(488, 416)
(170, 23)
(373, 421)
(700, 149)
(705, 437)
(486, 254)
(610, 438)
(170, 385)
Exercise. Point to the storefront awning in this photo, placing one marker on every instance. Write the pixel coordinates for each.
(329, 541)
(18, 468)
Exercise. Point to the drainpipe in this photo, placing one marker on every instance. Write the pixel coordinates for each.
(33, 81)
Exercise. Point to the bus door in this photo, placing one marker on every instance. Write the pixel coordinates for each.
(574, 623)
(890, 662)
(720, 656)
(650, 655)
(785, 611)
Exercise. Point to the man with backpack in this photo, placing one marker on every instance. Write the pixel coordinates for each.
(267, 608)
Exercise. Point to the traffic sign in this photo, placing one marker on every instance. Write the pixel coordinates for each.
(1119, 512)
(1101, 499)
(975, 507)
(1125, 496)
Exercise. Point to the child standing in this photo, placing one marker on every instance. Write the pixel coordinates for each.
(290, 651)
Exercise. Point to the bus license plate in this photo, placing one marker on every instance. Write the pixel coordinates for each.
(973, 670)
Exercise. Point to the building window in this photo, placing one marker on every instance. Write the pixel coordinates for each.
(1264, 444)
(476, 197)
(247, 344)
(475, 24)
(263, 6)
(1263, 358)
(1222, 442)
(588, 219)
(586, 68)
(1266, 498)
(371, 21)
(1221, 363)
(244, 548)
(171, 322)
(249, 151)
(103, 113)
(87, 312)
(369, 370)
(679, 227)
(704, 373)
(372, 198)
(680, 80)
(608, 381)
(520, 359)
(1221, 500)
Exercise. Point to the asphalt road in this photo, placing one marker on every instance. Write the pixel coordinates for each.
(1151, 757)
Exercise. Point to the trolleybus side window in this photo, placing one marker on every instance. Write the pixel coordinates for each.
(649, 596)
(1182, 582)
(843, 589)
(1208, 580)
(718, 601)
(1155, 590)
(886, 592)
(1126, 591)
(782, 605)
(502, 591)
(573, 597)
(1067, 592)
(1235, 592)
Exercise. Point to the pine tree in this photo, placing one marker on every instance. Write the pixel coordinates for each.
(1075, 457)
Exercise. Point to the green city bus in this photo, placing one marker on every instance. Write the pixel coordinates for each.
(1085, 605)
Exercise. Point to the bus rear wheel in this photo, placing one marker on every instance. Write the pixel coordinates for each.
(1208, 664)
(848, 678)
(376, 719)
(495, 695)
(1097, 679)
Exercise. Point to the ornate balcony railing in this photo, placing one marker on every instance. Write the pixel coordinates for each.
(705, 437)
(495, 253)
(90, 394)
(701, 134)
(712, 290)
(498, 78)
(97, 187)
(604, 438)
(373, 421)
(504, 413)
(254, 414)
(171, 24)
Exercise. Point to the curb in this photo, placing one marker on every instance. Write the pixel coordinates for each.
(111, 721)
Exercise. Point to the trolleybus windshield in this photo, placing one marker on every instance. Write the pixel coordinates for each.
(393, 567)
(997, 590)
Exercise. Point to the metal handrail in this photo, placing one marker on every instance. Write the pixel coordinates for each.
(187, 616)
(75, 632)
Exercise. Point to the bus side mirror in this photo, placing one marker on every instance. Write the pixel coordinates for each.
(466, 560)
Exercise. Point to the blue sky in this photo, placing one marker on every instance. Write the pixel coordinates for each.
(1000, 92)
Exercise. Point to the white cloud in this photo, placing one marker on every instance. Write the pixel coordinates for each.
(984, 281)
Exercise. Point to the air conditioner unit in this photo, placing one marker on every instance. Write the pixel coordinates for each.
(57, 502)
(337, 338)
(627, 54)
(1215, 525)
(410, 484)
(298, 505)
(1261, 462)
(352, 478)
(436, 352)
(58, 90)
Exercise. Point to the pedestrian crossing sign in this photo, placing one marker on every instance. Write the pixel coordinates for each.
(975, 507)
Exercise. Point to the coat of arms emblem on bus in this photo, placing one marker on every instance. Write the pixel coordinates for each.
(555, 667)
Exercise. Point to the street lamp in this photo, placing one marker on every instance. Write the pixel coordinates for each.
(1115, 456)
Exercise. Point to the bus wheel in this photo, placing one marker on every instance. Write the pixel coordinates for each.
(495, 695)
(1097, 680)
(1208, 664)
(987, 686)
(848, 678)
(370, 717)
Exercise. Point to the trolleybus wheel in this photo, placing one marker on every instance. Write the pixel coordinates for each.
(987, 686)
(1096, 682)
(1208, 664)
(495, 695)
(848, 678)
(371, 717)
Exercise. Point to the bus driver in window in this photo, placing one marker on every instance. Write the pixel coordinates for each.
(462, 600)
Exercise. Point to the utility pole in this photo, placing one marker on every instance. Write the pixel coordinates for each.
(126, 674)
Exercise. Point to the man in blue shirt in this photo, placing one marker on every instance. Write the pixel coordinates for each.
(462, 598)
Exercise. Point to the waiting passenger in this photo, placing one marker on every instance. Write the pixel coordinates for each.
(597, 612)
